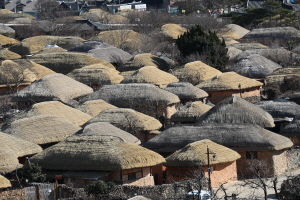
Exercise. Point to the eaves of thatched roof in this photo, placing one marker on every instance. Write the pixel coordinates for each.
(278, 76)
(172, 31)
(51, 50)
(195, 155)
(239, 137)
(94, 107)
(7, 40)
(5, 54)
(8, 160)
(274, 32)
(133, 94)
(233, 52)
(186, 90)
(235, 110)
(240, 31)
(4, 183)
(248, 46)
(292, 129)
(99, 153)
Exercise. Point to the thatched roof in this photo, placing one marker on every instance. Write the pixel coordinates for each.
(277, 77)
(292, 129)
(185, 90)
(233, 52)
(102, 51)
(255, 66)
(240, 31)
(172, 31)
(35, 44)
(52, 88)
(4, 183)
(195, 155)
(99, 15)
(65, 62)
(7, 40)
(51, 50)
(195, 72)
(142, 60)
(228, 81)
(105, 128)
(225, 33)
(127, 119)
(8, 160)
(237, 110)
(42, 129)
(100, 153)
(133, 94)
(280, 108)
(53, 108)
(5, 54)
(149, 74)
(95, 76)
(102, 66)
(275, 32)
(239, 137)
(248, 46)
(94, 107)
(6, 30)
(228, 41)
(5, 11)
(190, 112)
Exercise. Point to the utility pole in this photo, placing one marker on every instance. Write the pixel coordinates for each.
(209, 170)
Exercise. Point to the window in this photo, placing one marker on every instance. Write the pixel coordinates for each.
(132, 176)
(250, 155)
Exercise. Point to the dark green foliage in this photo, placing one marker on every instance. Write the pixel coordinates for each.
(290, 189)
(207, 45)
(33, 173)
(100, 188)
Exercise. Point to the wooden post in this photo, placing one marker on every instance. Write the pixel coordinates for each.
(56, 190)
(37, 191)
(208, 170)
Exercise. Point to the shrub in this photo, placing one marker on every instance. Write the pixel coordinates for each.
(100, 188)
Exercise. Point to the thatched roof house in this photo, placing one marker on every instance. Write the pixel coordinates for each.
(5, 54)
(233, 52)
(149, 74)
(4, 183)
(172, 31)
(142, 60)
(54, 87)
(248, 46)
(105, 128)
(237, 110)
(278, 76)
(238, 30)
(35, 44)
(255, 66)
(94, 107)
(195, 72)
(42, 129)
(9, 161)
(65, 62)
(7, 40)
(186, 91)
(103, 51)
(190, 112)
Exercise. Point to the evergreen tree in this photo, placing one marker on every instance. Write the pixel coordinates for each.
(33, 173)
(205, 44)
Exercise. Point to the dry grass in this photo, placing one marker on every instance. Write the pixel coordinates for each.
(172, 31)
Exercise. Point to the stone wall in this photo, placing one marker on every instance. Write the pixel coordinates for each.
(148, 180)
(293, 157)
(18, 194)
(280, 161)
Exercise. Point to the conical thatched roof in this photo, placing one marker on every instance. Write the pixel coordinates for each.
(100, 153)
(53, 87)
(53, 108)
(103, 51)
(65, 62)
(172, 31)
(8, 160)
(7, 40)
(133, 94)
(248, 46)
(235, 110)
(195, 155)
(233, 52)
(35, 44)
(239, 137)
(149, 74)
(292, 129)
(185, 90)
(255, 66)
(142, 60)
(228, 81)
(274, 32)
(240, 31)
(42, 129)
(190, 112)
(280, 108)
(5, 54)
(94, 107)
(95, 76)
(127, 119)
(195, 72)
(105, 128)
(4, 183)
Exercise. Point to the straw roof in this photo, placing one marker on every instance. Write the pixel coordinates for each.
(42, 129)
(292, 129)
(4, 183)
(8, 160)
(95, 76)
(225, 33)
(14, 15)
(102, 66)
(65, 62)
(99, 15)
(190, 112)
(6, 30)
(280, 108)
(195, 155)
(185, 90)
(255, 66)
(233, 52)
(127, 119)
(5, 11)
(35, 44)
(100, 153)
(94, 107)
(53, 87)
(150, 74)
(7, 40)
(228, 81)
(172, 30)
(275, 32)
(52, 108)
(103, 51)
(248, 46)
(5, 54)
(105, 128)
(277, 77)
(51, 50)
(142, 60)
(237, 110)
(195, 72)
(240, 31)
(229, 41)
(133, 94)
